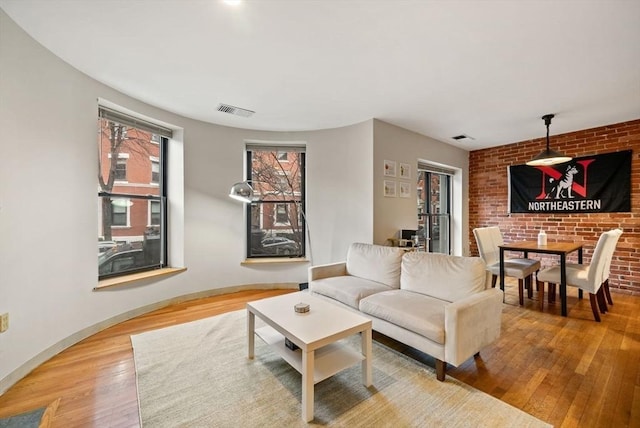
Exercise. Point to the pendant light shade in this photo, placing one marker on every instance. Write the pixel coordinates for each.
(548, 156)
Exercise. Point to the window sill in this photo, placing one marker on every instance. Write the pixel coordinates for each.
(134, 277)
(270, 260)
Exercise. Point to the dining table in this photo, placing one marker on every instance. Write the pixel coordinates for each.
(561, 249)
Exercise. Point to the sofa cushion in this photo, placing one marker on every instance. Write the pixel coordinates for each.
(346, 289)
(375, 263)
(445, 277)
(416, 312)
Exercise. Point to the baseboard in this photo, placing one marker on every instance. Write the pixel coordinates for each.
(23, 370)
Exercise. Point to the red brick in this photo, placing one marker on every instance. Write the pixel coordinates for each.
(488, 203)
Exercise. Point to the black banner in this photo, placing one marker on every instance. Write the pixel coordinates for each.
(590, 184)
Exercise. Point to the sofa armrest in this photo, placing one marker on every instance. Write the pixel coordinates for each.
(472, 323)
(327, 271)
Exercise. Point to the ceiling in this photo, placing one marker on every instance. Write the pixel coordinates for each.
(486, 69)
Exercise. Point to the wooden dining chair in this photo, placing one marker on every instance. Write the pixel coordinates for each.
(588, 277)
(489, 239)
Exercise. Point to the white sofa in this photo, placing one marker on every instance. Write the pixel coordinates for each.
(439, 304)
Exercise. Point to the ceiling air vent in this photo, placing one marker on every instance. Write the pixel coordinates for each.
(462, 137)
(226, 108)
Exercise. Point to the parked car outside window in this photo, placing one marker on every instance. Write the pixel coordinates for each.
(280, 245)
(106, 245)
(122, 259)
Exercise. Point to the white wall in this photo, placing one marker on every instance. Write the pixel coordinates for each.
(48, 202)
(392, 214)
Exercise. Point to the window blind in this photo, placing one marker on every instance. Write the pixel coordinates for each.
(271, 147)
(437, 169)
(125, 119)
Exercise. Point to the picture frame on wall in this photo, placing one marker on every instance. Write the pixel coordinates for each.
(389, 188)
(405, 190)
(389, 168)
(405, 171)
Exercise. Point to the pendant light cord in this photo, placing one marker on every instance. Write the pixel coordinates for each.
(547, 136)
(547, 121)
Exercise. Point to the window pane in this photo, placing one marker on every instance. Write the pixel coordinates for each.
(154, 213)
(131, 234)
(119, 210)
(133, 244)
(121, 170)
(276, 223)
(155, 172)
(127, 154)
(282, 214)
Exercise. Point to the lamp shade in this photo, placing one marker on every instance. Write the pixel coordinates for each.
(548, 156)
(242, 191)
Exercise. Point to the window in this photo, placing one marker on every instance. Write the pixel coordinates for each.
(119, 212)
(121, 170)
(132, 215)
(276, 221)
(282, 216)
(154, 213)
(434, 208)
(155, 170)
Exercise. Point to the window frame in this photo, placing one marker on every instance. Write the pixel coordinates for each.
(444, 212)
(161, 198)
(281, 209)
(260, 205)
(155, 161)
(121, 169)
(126, 213)
(151, 213)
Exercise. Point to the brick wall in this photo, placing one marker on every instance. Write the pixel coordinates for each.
(488, 199)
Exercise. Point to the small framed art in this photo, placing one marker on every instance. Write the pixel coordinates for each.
(405, 190)
(405, 171)
(389, 168)
(389, 188)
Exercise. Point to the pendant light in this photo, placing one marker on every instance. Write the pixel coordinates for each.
(548, 156)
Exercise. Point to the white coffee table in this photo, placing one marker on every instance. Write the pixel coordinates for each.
(315, 333)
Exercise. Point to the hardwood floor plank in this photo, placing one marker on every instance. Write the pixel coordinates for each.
(568, 371)
(635, 407)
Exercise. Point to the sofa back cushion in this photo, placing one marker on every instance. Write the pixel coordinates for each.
(375, 263)
(442, 276)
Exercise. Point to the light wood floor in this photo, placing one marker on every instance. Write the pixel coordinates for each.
(570, 372)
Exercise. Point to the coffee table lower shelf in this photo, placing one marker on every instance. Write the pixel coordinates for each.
(329, 359)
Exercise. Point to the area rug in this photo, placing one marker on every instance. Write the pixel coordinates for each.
(36, 418)
(198, 375)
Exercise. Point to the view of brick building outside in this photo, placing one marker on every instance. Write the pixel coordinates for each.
(277, 180)
(135, 172)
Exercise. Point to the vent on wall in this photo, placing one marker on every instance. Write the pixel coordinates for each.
(226, 108)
